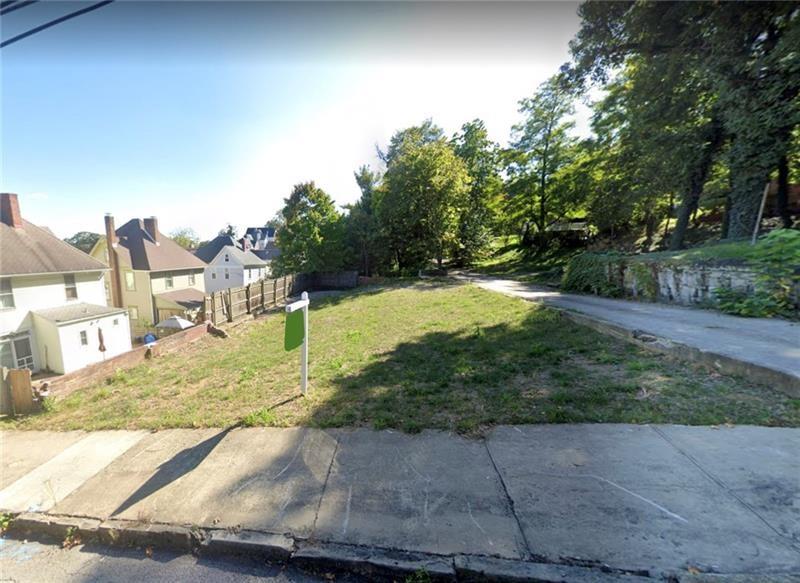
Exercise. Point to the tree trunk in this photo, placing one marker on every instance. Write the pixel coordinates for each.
(782, 202)
(697, 180)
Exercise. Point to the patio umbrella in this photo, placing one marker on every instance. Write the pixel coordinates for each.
(175, 322)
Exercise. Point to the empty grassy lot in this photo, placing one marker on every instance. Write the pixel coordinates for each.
(411, 356)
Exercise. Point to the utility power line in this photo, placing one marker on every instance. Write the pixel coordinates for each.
(47, 25)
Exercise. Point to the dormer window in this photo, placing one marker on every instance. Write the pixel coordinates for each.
(70, 287)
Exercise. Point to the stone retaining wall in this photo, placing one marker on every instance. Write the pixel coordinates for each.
(687, 285)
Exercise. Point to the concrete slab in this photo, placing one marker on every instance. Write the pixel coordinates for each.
(261, 479)
(155, 461)
(623, 496)
(23, 451)
(433, 492)
(759, 465)
(42, 488)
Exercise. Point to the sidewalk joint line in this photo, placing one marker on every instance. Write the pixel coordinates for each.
(724, 487)
(510, 501)
(325, 487)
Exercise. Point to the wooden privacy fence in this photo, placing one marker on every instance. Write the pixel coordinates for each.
(231, 304)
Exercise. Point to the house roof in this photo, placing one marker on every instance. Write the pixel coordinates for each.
(141, 252)
(210, 250)
(265, 232)
(188, 298)
(77, 311)
(269, 253)
(31, 249)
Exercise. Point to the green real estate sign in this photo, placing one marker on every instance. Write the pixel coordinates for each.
(295, 330)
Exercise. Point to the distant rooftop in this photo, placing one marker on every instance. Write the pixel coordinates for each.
(77, 312)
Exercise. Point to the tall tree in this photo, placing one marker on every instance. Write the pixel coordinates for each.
(541, 146)
(362, 224)
(312, 237)
(481, 158)
(423, 188)
(185, 237)
(83, 240)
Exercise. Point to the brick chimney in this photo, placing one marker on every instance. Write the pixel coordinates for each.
(151, 226)
(9, 210)
(113, 261)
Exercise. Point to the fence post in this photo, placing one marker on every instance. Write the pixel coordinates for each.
(263, 299)
(230, 304)
(284, 289)
(247, 296)
(213, 310)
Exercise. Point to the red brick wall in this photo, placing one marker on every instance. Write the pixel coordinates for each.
(63, 385)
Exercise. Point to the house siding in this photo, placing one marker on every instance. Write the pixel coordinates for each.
(117, 339)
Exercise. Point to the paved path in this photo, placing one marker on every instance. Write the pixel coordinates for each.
(642, 499)
(773, 344)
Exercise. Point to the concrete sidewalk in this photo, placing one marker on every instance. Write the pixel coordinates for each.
(555, 502)
(764, 344)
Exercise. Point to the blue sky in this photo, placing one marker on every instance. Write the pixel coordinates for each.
(205, 113)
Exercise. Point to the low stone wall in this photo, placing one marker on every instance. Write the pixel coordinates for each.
(689, 285)
(63, 385)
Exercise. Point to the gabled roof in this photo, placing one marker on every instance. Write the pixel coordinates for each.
(269, 253)
(211, 249)
(265, 232)
(32, 250)
(141, 252)
(246, 258)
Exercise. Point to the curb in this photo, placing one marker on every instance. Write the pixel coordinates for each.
(377, 564)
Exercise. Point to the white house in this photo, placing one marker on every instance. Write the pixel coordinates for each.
(53, 312)
(229, 266)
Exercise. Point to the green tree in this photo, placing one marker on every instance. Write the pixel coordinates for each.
(312, 237)
(83, 240)
(481, 158)
(229, 231)
(423, 189)
(362, 223)
(185, 237)
(744, 52)
(541, 147)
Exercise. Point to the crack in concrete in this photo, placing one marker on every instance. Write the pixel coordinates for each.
(724, 487)
(324, 487)
(509, 500)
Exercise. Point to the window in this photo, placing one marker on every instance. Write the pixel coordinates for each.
(191, 279)
(130, 281)
(7, 355)
(70, 287)
(214, 274)
(116, 321)
(6, 294)
(168, 283)
(227, 275)
(84, 338)
(133, 312)
(23, 353)
(226, 257)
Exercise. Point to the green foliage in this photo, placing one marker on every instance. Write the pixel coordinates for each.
(776, 261)
(481, 158)
(363, 229)
(313, 235)
(421, 196)
(83, 240)
(646, 282)
(5, 521)
(597, 273)
(185, 237)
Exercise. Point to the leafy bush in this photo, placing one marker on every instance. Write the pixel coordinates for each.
(776, 261)
(597, 273)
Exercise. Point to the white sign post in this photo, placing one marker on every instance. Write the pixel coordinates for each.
(293, 307)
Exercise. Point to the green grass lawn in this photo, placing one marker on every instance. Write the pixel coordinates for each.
(416, 355)
(507, 259)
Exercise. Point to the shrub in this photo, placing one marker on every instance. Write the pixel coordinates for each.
(597, 273)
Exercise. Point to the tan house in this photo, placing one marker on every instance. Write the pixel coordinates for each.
(150, 274)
